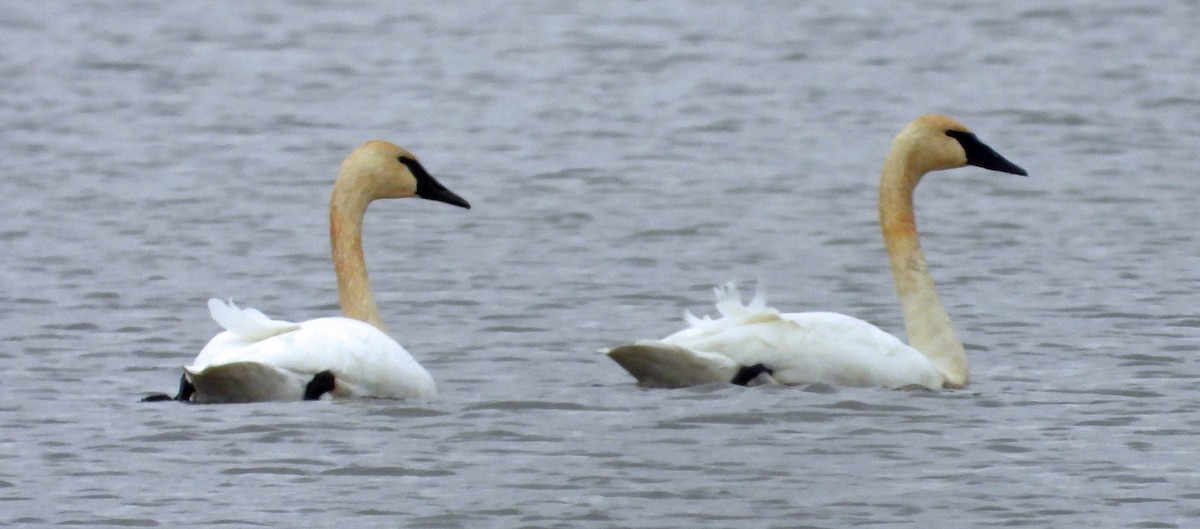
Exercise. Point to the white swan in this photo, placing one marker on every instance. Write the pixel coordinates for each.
(757, 343)
(259, 359)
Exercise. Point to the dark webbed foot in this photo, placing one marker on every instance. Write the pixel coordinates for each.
(320, 384)
(157, 397)
(749, 373)
(185, 392)
(185, 389)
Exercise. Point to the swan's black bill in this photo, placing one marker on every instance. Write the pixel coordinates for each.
(980, 155)
(429, 188)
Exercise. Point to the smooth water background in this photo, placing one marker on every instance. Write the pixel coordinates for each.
(621, 158)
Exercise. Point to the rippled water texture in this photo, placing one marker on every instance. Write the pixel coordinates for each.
(621, 158)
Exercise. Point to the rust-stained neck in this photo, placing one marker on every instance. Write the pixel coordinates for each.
(347, 207)
(926, 322)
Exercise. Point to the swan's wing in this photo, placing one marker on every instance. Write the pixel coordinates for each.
(364, 360)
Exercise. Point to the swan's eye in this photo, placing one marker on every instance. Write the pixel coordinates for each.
(959, 135)
(414, 167)
(412, 164)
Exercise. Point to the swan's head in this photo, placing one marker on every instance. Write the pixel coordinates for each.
(938, 142)
(384, 170)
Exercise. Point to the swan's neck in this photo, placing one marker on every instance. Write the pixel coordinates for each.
(926, 322)
(346, 210)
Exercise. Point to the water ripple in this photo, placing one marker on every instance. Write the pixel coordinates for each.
(620, 162)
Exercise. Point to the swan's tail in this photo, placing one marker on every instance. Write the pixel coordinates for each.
(662, 365)
(247, 323)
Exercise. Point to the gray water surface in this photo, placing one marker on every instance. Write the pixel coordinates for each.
(621, 158)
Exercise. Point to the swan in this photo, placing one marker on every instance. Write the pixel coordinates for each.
(754, 343)
(259, 359)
